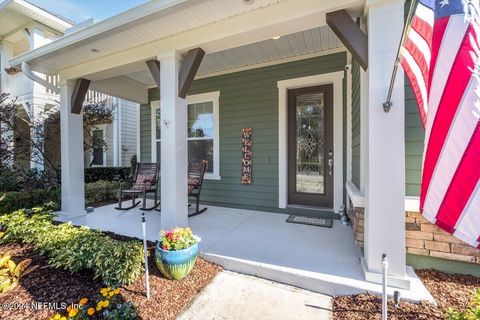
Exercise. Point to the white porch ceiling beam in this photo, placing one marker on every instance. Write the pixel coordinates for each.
(123, 88)
(285, 18)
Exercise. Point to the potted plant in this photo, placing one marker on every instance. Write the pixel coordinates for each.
(176, 252)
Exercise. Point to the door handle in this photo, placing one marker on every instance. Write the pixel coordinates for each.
(330, 162)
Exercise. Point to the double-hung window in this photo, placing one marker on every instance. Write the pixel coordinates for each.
(202, 131)
(98, 156)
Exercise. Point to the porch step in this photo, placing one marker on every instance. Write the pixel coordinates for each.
(317, 282)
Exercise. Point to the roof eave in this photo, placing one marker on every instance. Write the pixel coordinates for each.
(116, 21)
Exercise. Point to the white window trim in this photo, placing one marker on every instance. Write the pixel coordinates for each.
(104, 128)
(335, 78)
(214, 97)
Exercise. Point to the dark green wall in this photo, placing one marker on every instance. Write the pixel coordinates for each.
(356, 123)
(247, 99)
(414, 136)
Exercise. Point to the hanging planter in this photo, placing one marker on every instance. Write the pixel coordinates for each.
(176, 253)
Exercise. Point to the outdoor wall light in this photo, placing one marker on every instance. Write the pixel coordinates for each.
(276, 37)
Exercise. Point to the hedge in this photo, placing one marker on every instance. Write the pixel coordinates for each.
(118, 263)
(14, 200)
(94, 174)
(95, 192)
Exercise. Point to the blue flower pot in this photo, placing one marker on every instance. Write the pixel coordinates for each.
(176, 264)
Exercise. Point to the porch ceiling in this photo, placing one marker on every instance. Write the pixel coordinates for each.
(293, 45)
(121, 45)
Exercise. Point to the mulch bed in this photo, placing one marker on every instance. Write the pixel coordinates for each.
(48, 284)
(449, 290)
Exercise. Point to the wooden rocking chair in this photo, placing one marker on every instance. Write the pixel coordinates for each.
(196, 172)
(146, 181)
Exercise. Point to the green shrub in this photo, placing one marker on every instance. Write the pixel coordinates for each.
(95, 192)
(67, 247)
(102, 191)
(471, 313)
(94, 174)
(9, 180)
(11, 201)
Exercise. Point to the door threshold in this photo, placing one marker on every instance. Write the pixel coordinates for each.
(301, 206)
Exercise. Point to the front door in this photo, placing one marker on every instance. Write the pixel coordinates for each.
(310, 146)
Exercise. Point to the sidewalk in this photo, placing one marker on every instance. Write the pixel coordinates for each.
(234, 296)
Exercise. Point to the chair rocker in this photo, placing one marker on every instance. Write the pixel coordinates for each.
(196, 173)
(146, 181)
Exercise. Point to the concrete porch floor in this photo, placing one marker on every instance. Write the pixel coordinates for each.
(262, 244)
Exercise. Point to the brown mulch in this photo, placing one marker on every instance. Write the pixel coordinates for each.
(48, 284)
(449, 290)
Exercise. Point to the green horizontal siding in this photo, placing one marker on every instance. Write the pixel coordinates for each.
(145, 133)
(247, 99)
(356, 123)
(414, 135)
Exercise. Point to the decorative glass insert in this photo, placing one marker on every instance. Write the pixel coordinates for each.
(310, 137)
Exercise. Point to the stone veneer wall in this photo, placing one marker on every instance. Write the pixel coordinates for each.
(422, 238)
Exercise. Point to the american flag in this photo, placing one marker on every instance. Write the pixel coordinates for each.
(440, 56)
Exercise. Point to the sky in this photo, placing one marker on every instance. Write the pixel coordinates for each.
(80, 10)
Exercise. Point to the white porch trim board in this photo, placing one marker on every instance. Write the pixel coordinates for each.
(412, 204)
(385, 176)
(174, 148)
(335, 78)
(71, 136)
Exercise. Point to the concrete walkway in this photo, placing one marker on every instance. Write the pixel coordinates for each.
(234, 296)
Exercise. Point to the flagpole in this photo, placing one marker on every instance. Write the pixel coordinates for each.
(388, 103)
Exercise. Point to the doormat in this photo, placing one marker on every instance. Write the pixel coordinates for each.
(312, 221)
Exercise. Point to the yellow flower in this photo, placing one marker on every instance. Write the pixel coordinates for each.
(83, 301)
(72, 313)
(104, 292)
(57, 316)
(69, 308)
(106, 303)
(117, 291)
(99, 305)
(108, 289)
(90, 311)
(111, 293)
(63, 318)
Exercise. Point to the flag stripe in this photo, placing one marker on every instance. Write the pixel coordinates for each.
(462, 186)
(425, 13)
(420, 60)
(437, 37)
(468, 228)
(416, 80)
(452, 95)
(424, 29)
(455, 145)
(446, 57)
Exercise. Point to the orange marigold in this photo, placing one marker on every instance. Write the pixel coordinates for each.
(90, 311)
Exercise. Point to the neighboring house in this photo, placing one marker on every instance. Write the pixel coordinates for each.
(24, 27)
(321, 141)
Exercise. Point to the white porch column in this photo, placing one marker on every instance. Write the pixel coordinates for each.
(71, 134)
(385, 166)
(174, 160)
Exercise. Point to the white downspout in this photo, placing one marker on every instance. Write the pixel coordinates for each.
(29, 74)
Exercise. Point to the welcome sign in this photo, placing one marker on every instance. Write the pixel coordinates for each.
(247, 156)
